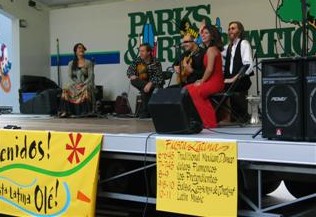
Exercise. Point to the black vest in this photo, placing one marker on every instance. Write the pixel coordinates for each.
(237, 62)
(245, 81)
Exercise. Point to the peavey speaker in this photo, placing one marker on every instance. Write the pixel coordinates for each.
(310, 98)
(173, 112)
(282, 99)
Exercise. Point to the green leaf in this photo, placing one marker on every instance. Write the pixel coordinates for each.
(290, 11)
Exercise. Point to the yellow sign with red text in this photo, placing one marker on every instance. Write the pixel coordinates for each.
(48, 173)
(197, 177)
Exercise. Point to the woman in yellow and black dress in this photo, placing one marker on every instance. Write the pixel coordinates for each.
(78, 97)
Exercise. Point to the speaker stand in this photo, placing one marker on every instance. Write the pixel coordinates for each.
(257, 133)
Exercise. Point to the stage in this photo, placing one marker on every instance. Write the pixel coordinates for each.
(91, 125)
(132, 139)
(128, 135)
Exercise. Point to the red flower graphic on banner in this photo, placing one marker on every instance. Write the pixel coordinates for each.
(74, 148)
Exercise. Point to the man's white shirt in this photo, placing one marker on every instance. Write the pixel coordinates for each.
(246, 55)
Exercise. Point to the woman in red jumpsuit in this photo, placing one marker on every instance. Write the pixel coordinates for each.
(213, 79)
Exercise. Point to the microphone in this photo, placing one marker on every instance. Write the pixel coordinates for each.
(177, 45)
(181, 43)
(93, 61)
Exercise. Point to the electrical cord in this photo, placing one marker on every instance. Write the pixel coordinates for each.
(272, 6)
(225, 133)
(277, 20)
(278, 25)
(145, 174)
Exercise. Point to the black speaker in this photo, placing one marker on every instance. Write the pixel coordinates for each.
(173, 112)
(45, 102)
(282, 99)
(98, 92)
(310, 98)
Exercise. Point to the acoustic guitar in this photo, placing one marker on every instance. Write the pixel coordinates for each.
(142, 71)
(183, 75)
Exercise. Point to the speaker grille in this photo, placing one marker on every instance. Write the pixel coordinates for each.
(312, 105)
(310, 98)
(282, 105)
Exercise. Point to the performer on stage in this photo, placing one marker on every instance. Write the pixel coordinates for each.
(191, 62)
(78, 96)
(145, 73)
(213, 78)
(236, 54)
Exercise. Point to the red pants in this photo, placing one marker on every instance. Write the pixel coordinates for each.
(201, 98)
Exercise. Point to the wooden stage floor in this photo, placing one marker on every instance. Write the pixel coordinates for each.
(110, 124)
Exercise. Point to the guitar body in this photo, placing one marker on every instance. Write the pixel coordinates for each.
(182, 78)
(142, 72)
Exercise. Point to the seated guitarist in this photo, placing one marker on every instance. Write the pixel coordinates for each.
(191, 62)
(145, 73)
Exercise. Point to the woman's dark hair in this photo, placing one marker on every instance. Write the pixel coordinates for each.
(75, 59)
(240, 27)
(216, 36)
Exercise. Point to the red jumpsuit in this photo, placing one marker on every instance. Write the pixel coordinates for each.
(200, 94)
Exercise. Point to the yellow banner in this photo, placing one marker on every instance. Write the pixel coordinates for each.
(48, 173)
(197, 177)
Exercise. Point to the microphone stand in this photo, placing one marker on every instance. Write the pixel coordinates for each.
(58, 63)
(257, 78)
(304, 29)
(258, 91)
(180, 64)
(257, 133)
(178, 53)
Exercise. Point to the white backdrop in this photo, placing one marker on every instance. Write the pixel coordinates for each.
(105, 27)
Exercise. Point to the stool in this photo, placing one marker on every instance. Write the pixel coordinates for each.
(254, 102)
(138, 105)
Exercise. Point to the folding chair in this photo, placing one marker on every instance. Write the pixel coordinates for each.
(168, 74)
(219, 99)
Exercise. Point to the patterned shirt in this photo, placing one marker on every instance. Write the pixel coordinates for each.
(154, 70)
